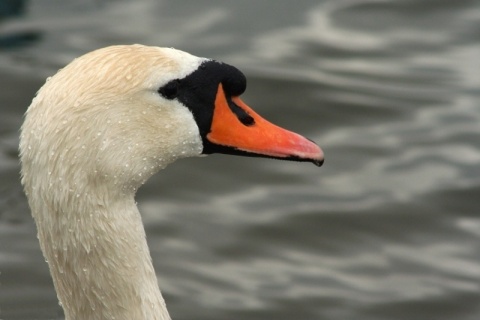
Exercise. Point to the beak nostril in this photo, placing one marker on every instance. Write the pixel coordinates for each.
(241, 114)
(247, 120)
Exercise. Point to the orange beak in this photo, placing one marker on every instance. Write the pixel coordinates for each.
(256, 136)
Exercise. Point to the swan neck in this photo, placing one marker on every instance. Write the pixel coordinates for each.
(99, 258)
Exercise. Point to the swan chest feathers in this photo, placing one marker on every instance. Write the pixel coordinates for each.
(95, 132)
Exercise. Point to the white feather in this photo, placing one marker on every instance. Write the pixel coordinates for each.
(93, 134)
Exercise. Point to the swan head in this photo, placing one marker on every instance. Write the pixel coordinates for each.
(121, 113)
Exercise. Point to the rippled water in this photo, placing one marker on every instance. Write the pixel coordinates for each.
(389, 228)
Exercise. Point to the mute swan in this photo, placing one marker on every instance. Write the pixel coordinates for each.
(95, 132)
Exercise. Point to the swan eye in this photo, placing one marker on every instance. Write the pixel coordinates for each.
(170, 90)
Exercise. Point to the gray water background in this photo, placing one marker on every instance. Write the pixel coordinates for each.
(389, 228)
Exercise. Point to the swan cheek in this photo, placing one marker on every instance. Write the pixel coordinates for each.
(176, 134)
(166, 134)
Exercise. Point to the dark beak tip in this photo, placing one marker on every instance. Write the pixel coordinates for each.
(318, 163)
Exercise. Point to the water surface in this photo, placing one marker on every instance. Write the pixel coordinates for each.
(389, 228)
